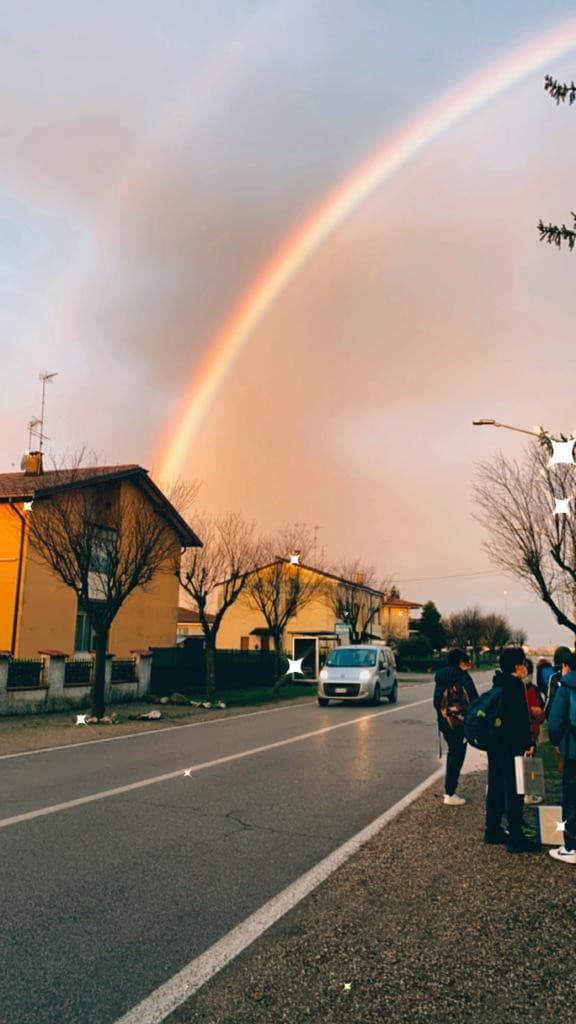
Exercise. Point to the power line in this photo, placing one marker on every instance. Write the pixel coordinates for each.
(456, 576)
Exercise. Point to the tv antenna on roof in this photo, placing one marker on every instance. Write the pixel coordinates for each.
(35, 425)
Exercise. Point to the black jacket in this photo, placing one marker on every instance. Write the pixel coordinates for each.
(449, 676)
(516, 735)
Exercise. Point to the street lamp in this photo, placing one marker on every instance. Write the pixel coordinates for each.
(494, 423)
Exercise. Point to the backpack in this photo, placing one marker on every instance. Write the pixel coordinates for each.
(454, 705)
(483, 722)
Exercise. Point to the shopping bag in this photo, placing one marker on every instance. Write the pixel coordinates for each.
(529, 776)
(548, 818)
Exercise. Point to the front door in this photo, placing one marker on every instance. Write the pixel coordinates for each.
(306, 647)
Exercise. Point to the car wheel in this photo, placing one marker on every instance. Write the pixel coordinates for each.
(393, 695)
(323, 702)
(377, 695)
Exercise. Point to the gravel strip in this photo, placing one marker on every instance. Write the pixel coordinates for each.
(425, 924)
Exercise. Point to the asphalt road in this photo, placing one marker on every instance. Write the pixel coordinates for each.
(105, 900)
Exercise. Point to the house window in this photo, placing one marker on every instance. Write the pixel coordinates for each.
(84, 635)
(103, 550)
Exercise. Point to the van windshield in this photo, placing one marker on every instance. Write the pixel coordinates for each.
(347, 658)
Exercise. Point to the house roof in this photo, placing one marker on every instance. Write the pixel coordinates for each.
(16, 487)
(399, 602)
(393, 603)
(191, 615)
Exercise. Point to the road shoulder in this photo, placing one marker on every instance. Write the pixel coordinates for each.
(424, 923)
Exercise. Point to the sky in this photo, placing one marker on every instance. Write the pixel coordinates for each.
(155, 156)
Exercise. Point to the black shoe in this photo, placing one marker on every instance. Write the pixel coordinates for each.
(524, 846)
(499, 838)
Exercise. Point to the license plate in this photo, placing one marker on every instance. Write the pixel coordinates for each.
(340, 689)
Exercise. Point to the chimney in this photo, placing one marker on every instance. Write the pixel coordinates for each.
(32, 464)
(359, 578)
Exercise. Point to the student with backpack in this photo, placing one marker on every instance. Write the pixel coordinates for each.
(555, 679)
(453, 693)
(562, 732)
(511, 736)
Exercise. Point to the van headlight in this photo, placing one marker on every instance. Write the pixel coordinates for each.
(365, 675)
(323, 675)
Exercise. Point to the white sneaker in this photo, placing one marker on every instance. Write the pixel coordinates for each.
(454, 800)
(561, 853)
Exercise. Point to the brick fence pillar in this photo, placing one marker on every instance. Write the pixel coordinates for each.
(143, 671)
(54, 673)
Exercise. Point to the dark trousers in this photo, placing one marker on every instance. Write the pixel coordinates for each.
(456, 754)
(569, 803)
(502, 796)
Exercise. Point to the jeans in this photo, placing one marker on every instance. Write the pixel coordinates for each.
(456, 754)
(502, 796)
(569, 803)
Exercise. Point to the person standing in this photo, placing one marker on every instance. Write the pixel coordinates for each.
(453, 692)
(555, 679)
(562, 732)
(515, 738)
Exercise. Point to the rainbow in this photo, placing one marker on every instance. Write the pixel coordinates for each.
(334, 210)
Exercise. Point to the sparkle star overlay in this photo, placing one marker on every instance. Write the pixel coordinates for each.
(562, 507)
(561, 826)
(295, 666)
(81, 719)
(562, 452)
(294, 559)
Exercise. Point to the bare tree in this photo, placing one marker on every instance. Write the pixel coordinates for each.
(229, 552)
(519, 637)
(183, 495)
(465, 628)
(103, 543)
(281, 588)
(496, 631)
(554, 233)
(357, 599)
(527, 539)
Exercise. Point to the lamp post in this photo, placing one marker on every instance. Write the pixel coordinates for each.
(506, 426)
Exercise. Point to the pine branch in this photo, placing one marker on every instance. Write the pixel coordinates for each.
(551, 233)
(560, 91)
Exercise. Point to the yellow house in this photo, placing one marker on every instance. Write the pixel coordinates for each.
(317, 627)
(396, 623)
(189, 623)
(37, 611)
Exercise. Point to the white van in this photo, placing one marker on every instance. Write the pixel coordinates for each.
(360, 672)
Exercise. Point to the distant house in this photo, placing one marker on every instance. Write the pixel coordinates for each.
(316, 629)
(189, 623)
(37, 611)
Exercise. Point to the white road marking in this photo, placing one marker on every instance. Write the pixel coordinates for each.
(169, 996)
(150, 732)
(79, 801)
(169, 728)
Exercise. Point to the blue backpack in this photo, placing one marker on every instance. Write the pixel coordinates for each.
(483, 722)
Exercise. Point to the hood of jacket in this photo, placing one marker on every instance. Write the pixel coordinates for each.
(448, 676)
